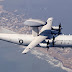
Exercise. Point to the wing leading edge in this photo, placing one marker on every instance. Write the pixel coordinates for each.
(35, 42)
(39, 38)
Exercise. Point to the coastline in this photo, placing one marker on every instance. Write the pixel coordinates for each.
(15, 23)
(46, 57)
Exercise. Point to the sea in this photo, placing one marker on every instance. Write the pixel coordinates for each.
(12, 60)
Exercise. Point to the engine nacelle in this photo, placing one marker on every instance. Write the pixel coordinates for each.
(55, 32)
(56, 28)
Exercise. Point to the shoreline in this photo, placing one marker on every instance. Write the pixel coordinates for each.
(15, 23)
(40, 55)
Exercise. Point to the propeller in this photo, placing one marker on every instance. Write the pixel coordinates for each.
(48, 45)
(53, 40)
(59, 29)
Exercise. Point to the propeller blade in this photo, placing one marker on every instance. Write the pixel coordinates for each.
(47, 48)
(59, 29)
(48, 45)
(59, 25)
(53, 40)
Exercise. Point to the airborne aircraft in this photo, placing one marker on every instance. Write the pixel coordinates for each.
(48, 36)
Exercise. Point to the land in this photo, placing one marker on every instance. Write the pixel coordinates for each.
(15, 22)
(1, 0)
(63, 55)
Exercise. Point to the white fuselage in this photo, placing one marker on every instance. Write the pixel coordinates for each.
(63, 41)
(23, 39)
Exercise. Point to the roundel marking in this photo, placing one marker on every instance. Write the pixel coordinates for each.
(20, 41)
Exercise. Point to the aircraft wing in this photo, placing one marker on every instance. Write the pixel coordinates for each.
(35, 42)
(41, 36)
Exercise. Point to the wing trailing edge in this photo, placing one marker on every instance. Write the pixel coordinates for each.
(39, 38)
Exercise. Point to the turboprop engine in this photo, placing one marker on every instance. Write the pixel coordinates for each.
(56, 29)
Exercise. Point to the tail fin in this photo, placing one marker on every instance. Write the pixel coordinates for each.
(48, 25)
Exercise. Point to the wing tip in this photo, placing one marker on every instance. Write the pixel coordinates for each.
(24, 53)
